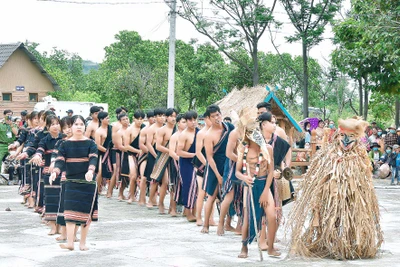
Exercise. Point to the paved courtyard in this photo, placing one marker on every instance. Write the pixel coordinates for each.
(129, 235)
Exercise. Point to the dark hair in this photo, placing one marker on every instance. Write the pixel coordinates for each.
(159, 111)
(76, 117)
(321, 120)
(266, 116)
(24, 113)
(121, 115)
(50, 119)
(150, 114)
(180, 117)
(100, 107)
(94, 109)
(305, 125)
(264, 105)
(32, 115)
(170, 111)
(228, 119)
(212, 109)
(190, 115)
(7, 111)
(138, 114)
(46, 114)
(124, 109)
(118, 111)
(65, 121)
(40, 113)
(102, 115)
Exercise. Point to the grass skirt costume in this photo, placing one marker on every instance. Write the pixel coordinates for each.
(337, 213)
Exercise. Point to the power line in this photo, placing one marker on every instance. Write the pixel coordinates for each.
(103, 3)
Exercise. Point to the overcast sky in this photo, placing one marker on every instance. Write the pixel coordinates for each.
(87, 29)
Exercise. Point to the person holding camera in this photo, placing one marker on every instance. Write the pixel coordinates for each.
(8, 131)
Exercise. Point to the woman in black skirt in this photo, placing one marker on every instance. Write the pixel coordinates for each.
(78, 157)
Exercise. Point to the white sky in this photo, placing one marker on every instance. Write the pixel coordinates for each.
(87, 29)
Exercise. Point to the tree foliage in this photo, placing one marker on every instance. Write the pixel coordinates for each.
(234, 25)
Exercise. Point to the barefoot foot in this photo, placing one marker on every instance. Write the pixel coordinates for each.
(191, 218)
(199, 222)
(220, 230)
(229, 228)
(205, 230)
(67, 246)
(244, 252)
(83, 247)
(212, 223)
(274, 253)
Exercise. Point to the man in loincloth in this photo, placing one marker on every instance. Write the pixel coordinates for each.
(119, 144)
(131, 137)
(151, 138)
(186, 150)
(199, 164)
(159, 175)
(143, 157)
(173, 170)
(215, 144)
(232, 189)
(115, 157)
(103, 140)
(94, 123)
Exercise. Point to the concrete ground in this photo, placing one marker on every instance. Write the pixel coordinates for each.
(129, 235)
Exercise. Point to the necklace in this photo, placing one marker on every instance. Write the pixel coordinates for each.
(244, 167)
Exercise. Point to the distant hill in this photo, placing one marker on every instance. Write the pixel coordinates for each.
(89, 65)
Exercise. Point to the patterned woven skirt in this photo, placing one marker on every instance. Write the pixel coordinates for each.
(80, 202)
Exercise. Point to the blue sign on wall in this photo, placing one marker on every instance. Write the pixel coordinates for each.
(20, 88)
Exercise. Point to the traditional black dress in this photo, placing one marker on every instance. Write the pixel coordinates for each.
(77, 157)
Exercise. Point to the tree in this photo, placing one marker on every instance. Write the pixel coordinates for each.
(367, 50)
(240, 27)
(309, 18)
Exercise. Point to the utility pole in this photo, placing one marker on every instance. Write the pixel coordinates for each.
(171, 60)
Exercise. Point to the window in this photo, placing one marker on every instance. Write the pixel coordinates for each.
(33, 97)
(7, 97)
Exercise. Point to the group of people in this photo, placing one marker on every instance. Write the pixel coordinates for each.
(384, 151)
(68, 163)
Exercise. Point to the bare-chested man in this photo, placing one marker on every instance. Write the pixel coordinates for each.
(215, 144)
(186, 151)
(160, 175)
(174, 177)
(115, 156)
(229, 179)
(200, 162)
(151, 138)
(103, 140)
(119, 144)
(143, 157)
(131, 138)
(266, 107)
(94, 123)
(262, 108)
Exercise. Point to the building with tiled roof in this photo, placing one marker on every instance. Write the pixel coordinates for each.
(23, 81)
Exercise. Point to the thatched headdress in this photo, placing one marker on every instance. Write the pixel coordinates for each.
(248, 127)
(356, 125)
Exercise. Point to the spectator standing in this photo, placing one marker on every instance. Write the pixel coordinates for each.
(70, 113)
(393, 164)
(391, 137)
(375, 155)
(8, 131)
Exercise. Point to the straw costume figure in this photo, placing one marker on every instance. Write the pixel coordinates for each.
(337, 214)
